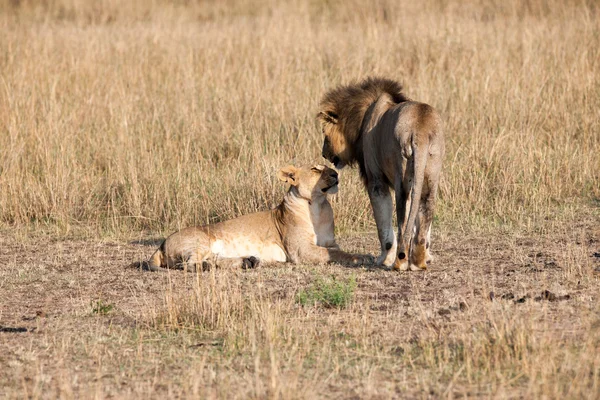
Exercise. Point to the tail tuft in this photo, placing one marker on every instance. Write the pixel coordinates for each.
(156, 263)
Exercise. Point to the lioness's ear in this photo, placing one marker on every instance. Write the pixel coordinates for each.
(328, 116)
(288, 174)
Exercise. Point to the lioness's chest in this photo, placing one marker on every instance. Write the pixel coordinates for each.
(322, 223)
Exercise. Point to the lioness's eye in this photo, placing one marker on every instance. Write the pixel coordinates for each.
(315, 169)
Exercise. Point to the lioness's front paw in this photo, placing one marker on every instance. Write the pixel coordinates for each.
(363, 259)
(207, 265)
(250, 262)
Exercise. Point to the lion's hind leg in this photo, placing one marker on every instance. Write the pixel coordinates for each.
(402, 205)
(421, 255)
(427, 209)
(428, 255)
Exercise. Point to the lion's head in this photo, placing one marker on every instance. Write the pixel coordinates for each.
(341, 114)
(311, 181)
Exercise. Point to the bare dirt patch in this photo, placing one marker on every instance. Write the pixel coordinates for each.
(494, 315)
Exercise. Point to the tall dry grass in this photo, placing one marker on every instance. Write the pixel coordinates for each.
(124, 117)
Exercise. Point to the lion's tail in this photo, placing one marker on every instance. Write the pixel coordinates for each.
(420, 154)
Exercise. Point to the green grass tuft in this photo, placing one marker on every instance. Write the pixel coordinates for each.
(330, 293)
(100, 307)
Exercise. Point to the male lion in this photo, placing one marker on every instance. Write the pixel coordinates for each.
(300, 229)
(396, 143)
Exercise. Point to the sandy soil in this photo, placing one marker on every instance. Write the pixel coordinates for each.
(72, 311)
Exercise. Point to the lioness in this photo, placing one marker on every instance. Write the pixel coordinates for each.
(396, 143)
(300, 229)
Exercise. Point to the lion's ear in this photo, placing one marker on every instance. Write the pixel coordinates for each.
(328, 116)
(288, 174)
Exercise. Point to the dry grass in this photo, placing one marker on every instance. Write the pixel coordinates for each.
(122, 121)
(156, 116)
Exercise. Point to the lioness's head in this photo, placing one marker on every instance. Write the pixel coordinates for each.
(311, 181)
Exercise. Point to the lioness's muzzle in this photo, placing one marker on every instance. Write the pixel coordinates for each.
(335, 183)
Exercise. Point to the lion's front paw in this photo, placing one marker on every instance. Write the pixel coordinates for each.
(387, 258)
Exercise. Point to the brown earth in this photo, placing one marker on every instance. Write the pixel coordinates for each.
(76, 320)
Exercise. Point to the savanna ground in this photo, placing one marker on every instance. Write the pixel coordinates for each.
(120, 123)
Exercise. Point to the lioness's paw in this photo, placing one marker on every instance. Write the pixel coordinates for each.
(207, 265)
(250, 262)
(363, 259)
